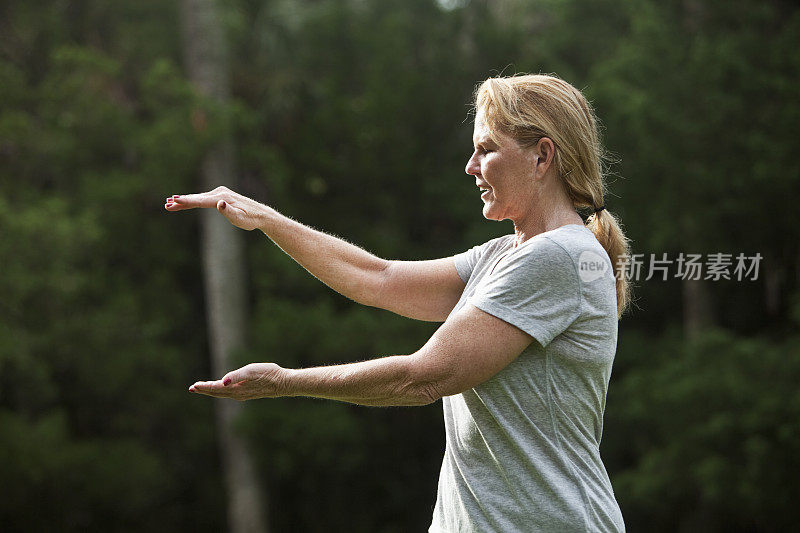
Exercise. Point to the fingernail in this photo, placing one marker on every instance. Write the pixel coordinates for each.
(176, 195)
(227, 382)
(223, 206)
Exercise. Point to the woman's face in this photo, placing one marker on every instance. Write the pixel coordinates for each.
(504, 172)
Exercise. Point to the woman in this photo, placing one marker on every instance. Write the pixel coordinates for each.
(523, 359)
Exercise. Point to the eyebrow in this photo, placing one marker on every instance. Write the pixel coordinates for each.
(483, 140)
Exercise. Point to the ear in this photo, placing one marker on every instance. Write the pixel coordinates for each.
(544, 152)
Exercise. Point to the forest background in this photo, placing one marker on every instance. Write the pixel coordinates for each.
(353, 116)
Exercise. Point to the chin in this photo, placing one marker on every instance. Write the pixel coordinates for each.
(488, 213)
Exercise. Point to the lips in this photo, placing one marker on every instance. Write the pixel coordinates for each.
(485, 189)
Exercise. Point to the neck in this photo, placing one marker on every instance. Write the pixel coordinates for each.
(545, 216)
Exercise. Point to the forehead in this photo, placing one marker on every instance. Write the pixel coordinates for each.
(481, 131)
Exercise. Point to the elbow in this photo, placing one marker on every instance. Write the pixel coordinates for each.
(420, 395)
(428, 393)
(422, 388)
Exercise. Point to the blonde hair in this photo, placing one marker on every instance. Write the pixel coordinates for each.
(528, 107)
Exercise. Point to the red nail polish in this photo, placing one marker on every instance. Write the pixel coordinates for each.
(227, 382)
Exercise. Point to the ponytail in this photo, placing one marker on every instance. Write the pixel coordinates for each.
(608, 231)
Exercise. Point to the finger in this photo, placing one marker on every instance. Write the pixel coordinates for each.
(191, 201)
(205, 387)
(227, 208)
(173, 204)
(215, 394)
(234, 376)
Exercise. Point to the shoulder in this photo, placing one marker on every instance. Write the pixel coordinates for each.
(488, 249)
(591, 268)
(559, 248)
(496, 244)
(584, 251)
(540, 260)
(567, 257)
(534, 287)
(467, 262)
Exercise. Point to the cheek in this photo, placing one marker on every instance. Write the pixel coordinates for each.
(492, 169)
(499, 177)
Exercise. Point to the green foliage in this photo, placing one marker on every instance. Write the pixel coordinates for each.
(711, 430)
(94, 353)
(353, 116)
(704, 113)
(113, 484)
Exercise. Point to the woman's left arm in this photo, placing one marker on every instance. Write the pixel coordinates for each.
(468, 349)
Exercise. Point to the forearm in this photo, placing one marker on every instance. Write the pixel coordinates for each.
(344, 267)
(379, 382)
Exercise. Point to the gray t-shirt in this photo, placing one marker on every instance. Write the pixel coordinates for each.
(523, 448)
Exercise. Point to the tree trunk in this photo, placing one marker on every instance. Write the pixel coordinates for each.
(223, 264)
(698, 311)
(773, 281)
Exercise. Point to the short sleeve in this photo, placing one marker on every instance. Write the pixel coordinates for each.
(467, 261)
(535, 288)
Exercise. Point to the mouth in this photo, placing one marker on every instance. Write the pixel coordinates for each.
(485, 191)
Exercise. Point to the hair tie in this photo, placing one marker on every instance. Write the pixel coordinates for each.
(599, 209)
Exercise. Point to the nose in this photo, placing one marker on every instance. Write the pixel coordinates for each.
(473, 168)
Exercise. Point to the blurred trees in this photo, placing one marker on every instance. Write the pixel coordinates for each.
(712, 433)
(95, 429)
(352, 116)
(223, 251)
(700, 99)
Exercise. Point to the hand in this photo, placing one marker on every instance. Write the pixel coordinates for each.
(256, 380)
(240, 210)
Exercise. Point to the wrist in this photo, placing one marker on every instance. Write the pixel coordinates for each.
(288, 382)
(266, 218)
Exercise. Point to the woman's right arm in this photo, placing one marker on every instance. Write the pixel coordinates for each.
(424, 290)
